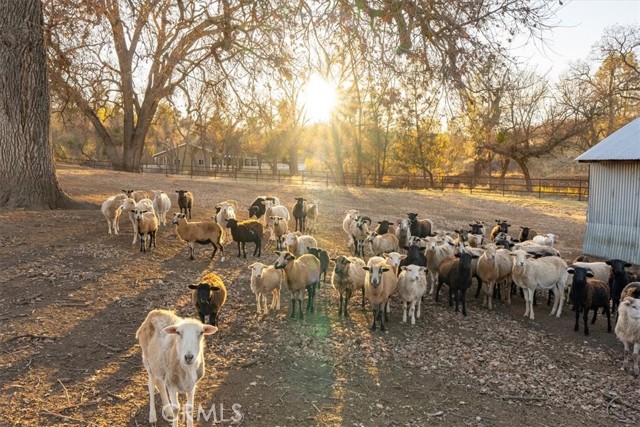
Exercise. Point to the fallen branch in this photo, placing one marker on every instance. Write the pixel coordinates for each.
(612, 398)
(32, 336)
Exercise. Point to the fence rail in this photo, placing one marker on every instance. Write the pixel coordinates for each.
(541, 187)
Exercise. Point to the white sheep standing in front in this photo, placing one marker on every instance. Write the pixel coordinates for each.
(628, 331)
(161, 205)
(412, 285)
(549, 273)
(112, 209)
(173, 355)
(129, 205)
(545, 239)
(298, 245)
(266, 280)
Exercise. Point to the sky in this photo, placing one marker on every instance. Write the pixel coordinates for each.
(581, 24)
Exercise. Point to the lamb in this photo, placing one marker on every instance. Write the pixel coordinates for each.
(300, 273)
(323, 257)
(379, 283)
(112, 209)
(618, 281)
(381, 243)
(359, 233)
(587, 294)
(147, 225)
(420, 227)
(455, 271)
(246, 231)
(173, 355)
(312, 214)
(437, 250)
(348, 276)
(138, 195)
(494, 267)
(129, 205)
(198, 232)
(161, 205)
(545, 239)
(208, 297)
(271, 210)
(501, 226)
(280, 229)
(299, 212)
(545, 273)
(297, 244)
(527, 233)
(631, 290)
(412, 285)
(185, 201)
(350, 217)
(266, 280)
(628, 331)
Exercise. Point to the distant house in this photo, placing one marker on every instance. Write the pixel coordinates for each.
(186, 156)
(613, 214)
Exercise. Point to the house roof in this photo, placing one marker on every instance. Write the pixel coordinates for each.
(622, 145)
(196, 147)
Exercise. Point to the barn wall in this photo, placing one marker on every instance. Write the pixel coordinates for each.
(613, 215)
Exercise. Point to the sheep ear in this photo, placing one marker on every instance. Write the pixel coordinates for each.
(385, 269)
(608, 262)
(209, 330)
(403, 268)
(626, 264)
(570, 270)
(170, 330)
(192, 286)
(422, 268)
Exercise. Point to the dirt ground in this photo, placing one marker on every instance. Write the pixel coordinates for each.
(72, 297)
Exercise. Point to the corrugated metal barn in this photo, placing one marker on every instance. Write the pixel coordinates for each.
(613, 215)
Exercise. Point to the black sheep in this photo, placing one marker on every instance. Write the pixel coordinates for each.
(299, 212)
(588, 294)
(419, 227)
(323, 257)
(455, 271)
(619, 279)
(383, 227)
(526, 233)
(208, 297)
(246, 231)
(185, 201)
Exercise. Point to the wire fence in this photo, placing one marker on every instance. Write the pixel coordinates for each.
(541, 187)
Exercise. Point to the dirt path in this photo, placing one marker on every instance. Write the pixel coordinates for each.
(72, 297)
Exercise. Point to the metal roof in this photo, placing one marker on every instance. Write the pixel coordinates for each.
(623, 145)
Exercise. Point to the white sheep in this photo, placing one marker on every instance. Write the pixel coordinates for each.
(536, 249)
(348, 276)
(275, 210)
(549, 273)
(112, 209)
(173, 355)
(379, 283)
(359, 232)
(412, 285)
(381, 243)
(628, 331)
(312, 215)
(350, 217)
(545, 239)
(130, 205)
(147, 225)
(161, 205)
(224, 214)
(494, 267)
(298, 245)
(438, 248)
(403, 233)
(300, 274)
(266, 280)
(280, 229)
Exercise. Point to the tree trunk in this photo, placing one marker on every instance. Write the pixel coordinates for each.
(27, 176)
(505, 167)
(337, 150)
(522, 162)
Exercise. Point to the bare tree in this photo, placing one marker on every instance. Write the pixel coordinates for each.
(27, 176)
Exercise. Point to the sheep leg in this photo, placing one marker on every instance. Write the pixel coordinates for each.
(525, 294)
(559, 300)
(293, 308)
(258, 303)
(532, 295)
(375, 316)
(412, 312)
(239, 253)
(491, 286)
(451, 297)
(362, 297)
(636, 350)
(188, 410)
(463, 297)
(244, 250)
(340, 305)
(586, 320)
(478, 289)
(419, 306)
(576, 327)
(192, 251)
(608, 313)
(301, 297)
(595, 314)
(164, 397)
(109, 224)
(346, 302)
(386, 311)
(404, 311)
(276, 293)
(625, 362)
(152, 403)
(438, 290)
(174, 405)
(382, 327)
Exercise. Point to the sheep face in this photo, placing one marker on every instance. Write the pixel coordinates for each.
(394, 258)
(404, 224)
(490, 250)
(371, 237)
(413, 272)
(352, 214)
(137, 213)
(375, 274)
(290, 239)
(276, 220)
(520, 257)
(189, 339)
(127, 192)
(232, 223)
(412, 216)
(477, 228)
(632, 307)
(463, 235)
(257, 269)
(284, 258)
(205, 296)
(503, 224)
(177, 217)
(342, 264)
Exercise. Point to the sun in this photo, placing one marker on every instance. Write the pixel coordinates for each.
(320, 98)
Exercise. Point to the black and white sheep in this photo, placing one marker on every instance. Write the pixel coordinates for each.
(587, 294)
(502, 225)
(244, 232)
(208, 297)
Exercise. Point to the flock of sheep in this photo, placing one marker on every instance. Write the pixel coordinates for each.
(407, 258)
